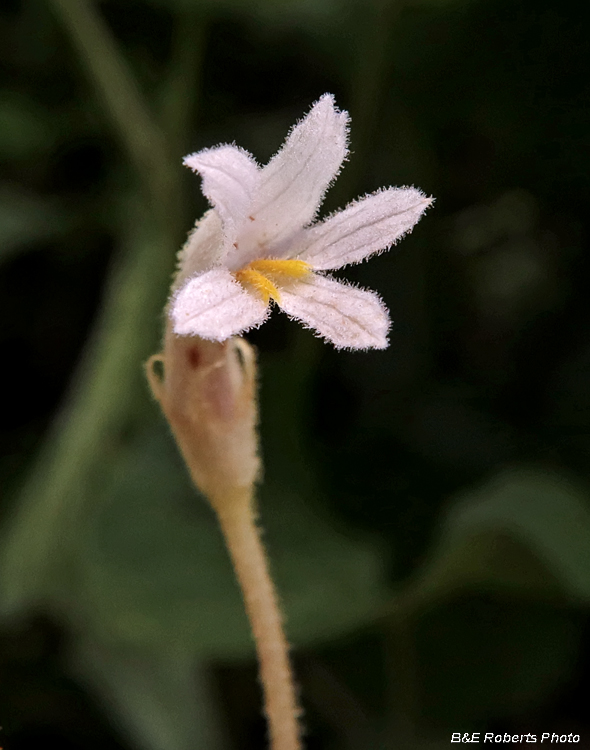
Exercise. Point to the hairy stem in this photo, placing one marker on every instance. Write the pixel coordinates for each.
(237, 519)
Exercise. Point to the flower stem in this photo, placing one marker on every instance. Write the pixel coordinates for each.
(237, 519)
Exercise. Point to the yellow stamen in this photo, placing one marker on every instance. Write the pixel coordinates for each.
(263, 286)
(296, 269)
(262, 274)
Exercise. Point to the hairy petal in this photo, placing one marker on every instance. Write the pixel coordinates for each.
(349, 317)
(202, 250)
(293, 183)
(215, 306)
(364, 227)
(230, 179)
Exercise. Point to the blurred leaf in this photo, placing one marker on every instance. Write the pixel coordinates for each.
(488, 609)
(525, 531)
(158, 571)
(24, 129)
(481, 658)
(281, 12)
(481, 227)
(24, 219)
(150, 567)
(437, 3)
(162, 700)
(106, 399)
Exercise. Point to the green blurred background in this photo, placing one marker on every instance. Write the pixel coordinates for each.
(426, 508)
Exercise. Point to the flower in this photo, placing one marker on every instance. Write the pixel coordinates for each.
(258, 243)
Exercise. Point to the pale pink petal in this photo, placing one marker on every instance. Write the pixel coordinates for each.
(230, 179)
(349, 317)
(202, 250)
(293, 183)
(215, 306)
(365, 227)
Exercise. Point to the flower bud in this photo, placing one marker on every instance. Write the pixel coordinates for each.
(208, 394)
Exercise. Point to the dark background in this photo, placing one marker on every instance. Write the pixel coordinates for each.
(426, 507)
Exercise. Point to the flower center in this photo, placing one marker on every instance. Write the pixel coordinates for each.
(264, 274)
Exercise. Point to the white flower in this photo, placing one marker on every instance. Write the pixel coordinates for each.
(259, 244)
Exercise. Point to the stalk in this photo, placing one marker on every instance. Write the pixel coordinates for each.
(237, 519)
(208, 396)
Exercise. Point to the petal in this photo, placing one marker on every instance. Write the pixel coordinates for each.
(293, 183)
(363, 228)
(202, 250)
(230, 178)
(215, 306)
(349, 317)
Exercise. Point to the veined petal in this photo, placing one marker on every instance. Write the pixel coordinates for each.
(293, 183)
(202, 250)
(364, 227)
(230, 178)
(214, 306)
(349, 317)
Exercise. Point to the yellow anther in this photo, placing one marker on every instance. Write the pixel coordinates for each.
(296, 269)
(261, 284)
(263, 273)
